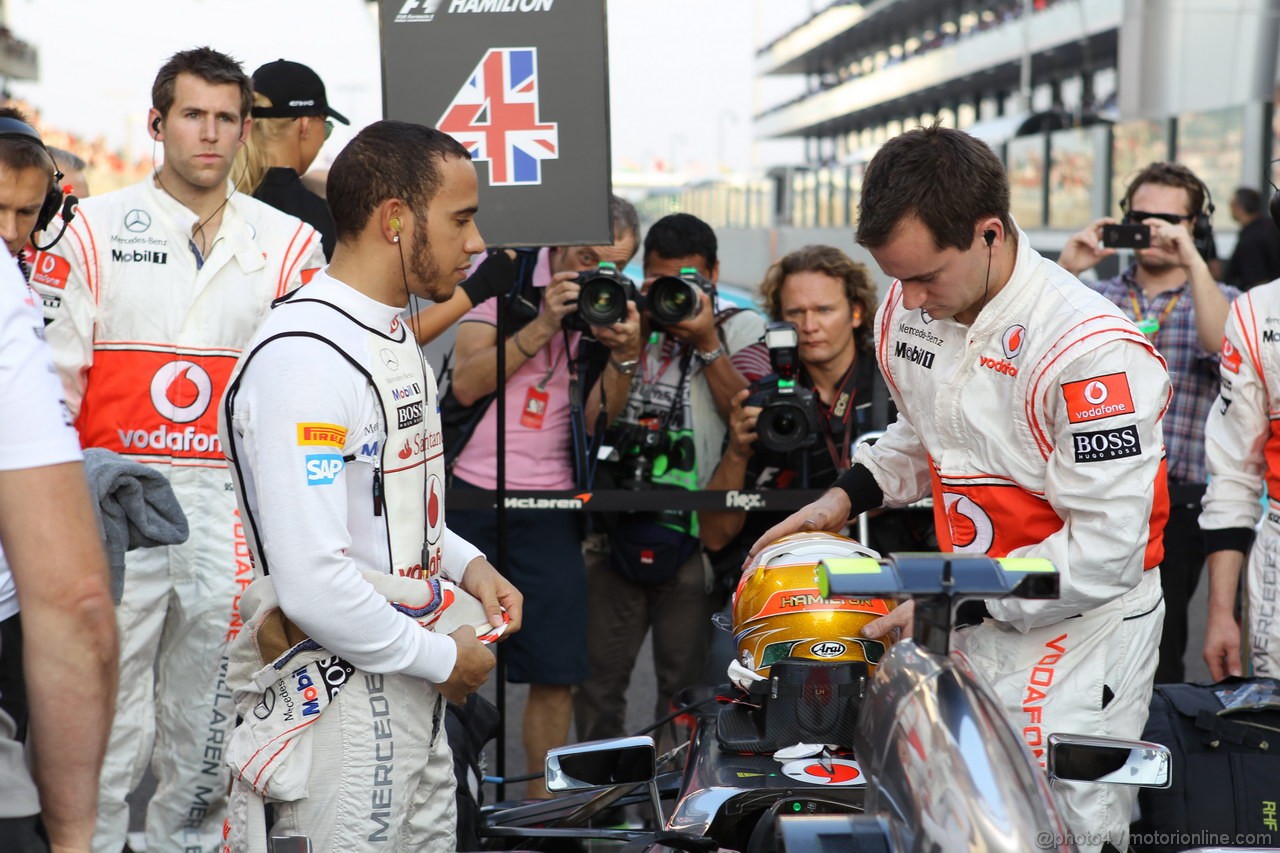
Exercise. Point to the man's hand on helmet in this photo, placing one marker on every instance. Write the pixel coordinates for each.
(896, 625)
(828, 513)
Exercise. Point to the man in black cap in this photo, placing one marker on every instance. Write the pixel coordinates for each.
(292, 119)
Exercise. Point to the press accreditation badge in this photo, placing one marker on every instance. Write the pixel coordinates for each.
(535, 408)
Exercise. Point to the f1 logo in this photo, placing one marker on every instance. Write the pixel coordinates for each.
(429, 7)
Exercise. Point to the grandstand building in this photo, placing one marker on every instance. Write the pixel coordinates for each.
(1074, 95)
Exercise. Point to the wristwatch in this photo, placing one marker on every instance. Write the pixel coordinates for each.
(626, 368)
(709, 357)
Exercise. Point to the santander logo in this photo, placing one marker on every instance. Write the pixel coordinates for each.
(181, 391)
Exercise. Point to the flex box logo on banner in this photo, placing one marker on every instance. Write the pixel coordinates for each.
(495, 115)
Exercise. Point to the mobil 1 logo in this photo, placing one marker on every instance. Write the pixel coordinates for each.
(1106, 444)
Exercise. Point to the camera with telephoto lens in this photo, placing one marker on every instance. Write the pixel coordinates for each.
(602, 301)
(673, 299)
(789, 420)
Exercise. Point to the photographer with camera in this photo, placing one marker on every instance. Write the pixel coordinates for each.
(795, 428)
(552, 355)
(648, 570)
(1172, 297)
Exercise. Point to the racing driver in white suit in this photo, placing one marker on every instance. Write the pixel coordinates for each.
(1242, 455)
(1030, 408)
(150, 296)
(333, 429)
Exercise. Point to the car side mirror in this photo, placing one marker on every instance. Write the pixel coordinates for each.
(1084, 758)
(602, 763)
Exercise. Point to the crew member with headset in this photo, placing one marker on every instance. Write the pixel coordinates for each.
(149, 299)
(1169, 292)
(31, 190)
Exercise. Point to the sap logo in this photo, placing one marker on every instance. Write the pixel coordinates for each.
(1107, 444)
(406, 392)
(827, 649)
(735, 499)
(139, 257)
(308, 692)
(1270, 336)
(323, 468)
(914, 354)
(409, 415)
(999, 365)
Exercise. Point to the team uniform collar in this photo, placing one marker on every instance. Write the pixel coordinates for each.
(233, 228)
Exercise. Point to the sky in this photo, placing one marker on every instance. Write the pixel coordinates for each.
(681, 84)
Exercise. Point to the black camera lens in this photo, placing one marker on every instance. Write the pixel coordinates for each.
(672, 300)
(602, 301)
(782, 427)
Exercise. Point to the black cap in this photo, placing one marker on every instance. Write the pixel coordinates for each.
(294, 90)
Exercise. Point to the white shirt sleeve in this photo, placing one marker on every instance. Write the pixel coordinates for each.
(458, 554)
(35, 429)
(303, 523)
(1239, 424)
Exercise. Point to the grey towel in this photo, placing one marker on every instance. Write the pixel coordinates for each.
(136, 508)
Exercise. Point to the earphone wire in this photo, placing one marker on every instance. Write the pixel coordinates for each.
(986, 285)
(155, 173)
(412, 327)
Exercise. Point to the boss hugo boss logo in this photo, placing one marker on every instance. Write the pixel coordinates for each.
(1106, 445)
(409, 415)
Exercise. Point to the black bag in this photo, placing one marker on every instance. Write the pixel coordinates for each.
(1225, 767)
(646, 552)
(469, 728)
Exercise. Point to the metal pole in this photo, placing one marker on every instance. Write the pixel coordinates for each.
(1025, 81)
(500, 552)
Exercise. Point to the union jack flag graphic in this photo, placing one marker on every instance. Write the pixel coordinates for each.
(495, 116)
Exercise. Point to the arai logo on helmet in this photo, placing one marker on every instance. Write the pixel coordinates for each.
(827, 649)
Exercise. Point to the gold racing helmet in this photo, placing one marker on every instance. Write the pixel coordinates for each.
(779, 613)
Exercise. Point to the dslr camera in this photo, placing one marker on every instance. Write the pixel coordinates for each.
(674, 299)
(789, 420)
(603, 298)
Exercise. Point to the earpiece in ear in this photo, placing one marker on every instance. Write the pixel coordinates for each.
(155, 124)
(395, 223)
(990, 236)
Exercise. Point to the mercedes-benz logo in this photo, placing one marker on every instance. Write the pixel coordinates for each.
(137, 220)
(390, 360)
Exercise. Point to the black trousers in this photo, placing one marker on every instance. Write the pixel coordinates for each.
(1180, 571)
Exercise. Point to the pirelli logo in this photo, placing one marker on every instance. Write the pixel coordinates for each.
(325, 435)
